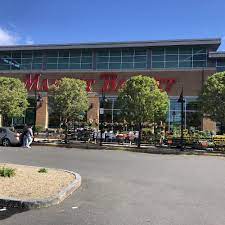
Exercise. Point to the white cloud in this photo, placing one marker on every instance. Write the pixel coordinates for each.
(8, 38)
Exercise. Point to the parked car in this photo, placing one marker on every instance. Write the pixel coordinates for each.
(19, 128)
(9, 137)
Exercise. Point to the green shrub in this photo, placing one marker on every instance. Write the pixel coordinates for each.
(38, 129)
(7, 172)
(42, 170)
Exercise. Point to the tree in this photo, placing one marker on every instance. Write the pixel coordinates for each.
(142, 101)
(213, 98)
(13, 98)
(70, 99)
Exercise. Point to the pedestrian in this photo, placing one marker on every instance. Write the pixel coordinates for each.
(95, 135)
(47, 134)
(110, 135)
(136, 137)
(30, 136)
(24, 137)
(131, 137)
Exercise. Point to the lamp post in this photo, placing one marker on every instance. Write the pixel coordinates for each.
(35, 108)
(181, 100)
(38, 99)
(102, 116)
(173, 114)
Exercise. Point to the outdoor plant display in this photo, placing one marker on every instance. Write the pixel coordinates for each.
(196, 139)
(219, 142)
(148, 136)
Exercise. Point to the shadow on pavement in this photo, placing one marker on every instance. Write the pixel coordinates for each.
(7, 212)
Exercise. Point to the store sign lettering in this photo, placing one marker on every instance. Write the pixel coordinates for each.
(110, 81)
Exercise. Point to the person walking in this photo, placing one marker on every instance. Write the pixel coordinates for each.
(24, 137)
(29, 136)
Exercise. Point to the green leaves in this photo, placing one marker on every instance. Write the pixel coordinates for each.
(70, 98)
(13, 97)
(7, 172)
(43, 170)
(141, 100)
(212, 97)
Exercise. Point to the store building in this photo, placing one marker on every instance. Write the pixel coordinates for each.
(106, 66)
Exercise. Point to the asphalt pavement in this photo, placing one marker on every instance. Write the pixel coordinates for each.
(127, 188)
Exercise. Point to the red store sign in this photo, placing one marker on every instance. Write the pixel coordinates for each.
(111, 83)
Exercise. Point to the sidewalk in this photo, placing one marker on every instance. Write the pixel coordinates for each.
(124, 147)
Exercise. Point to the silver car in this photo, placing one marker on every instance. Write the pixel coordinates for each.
(8, 137)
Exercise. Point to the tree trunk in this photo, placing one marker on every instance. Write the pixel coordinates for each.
(66, 132)
(139, 136)
(155, 134)
(5, 120)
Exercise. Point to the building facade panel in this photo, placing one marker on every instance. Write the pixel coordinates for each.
(105, 67)
(170, 80)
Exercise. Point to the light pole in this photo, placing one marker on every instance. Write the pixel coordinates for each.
(35, 108)
(102, 116)
(173, 114)
(181, 100)
(38, 99)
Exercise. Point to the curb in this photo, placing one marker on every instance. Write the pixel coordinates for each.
(70, 145)
(165, 151)
(42, 203)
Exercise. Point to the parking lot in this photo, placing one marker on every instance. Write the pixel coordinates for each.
(126, 188)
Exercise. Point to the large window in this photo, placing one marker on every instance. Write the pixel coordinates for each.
(69, 59)
(220, 64)
(192, 114)
(179, 57)
(111, 110)
(46, 60)
(121, 59)
(107, 59)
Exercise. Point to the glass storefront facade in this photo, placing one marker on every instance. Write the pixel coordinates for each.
(192, 116)
(105, 59)
(29, 115)
(191, 112)
(173, 63)
(111, 110)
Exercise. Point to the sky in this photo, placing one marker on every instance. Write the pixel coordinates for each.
(81, 21)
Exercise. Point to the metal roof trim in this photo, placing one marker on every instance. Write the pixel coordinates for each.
(179, 42)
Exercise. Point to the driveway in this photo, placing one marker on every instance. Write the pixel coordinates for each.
(126, 188)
